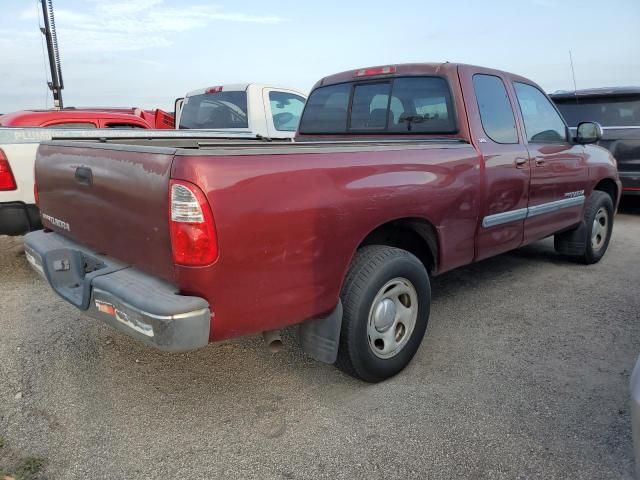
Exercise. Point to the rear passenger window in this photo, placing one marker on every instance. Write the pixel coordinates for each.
(286, 109)
(542, 122)
(72, 125)
(496, 113)
(123, 125)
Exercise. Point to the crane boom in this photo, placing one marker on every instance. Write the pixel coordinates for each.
(49, 31)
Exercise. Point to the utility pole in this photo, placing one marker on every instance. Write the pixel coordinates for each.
(49, 31)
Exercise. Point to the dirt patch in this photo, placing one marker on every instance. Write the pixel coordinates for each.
(13, 467)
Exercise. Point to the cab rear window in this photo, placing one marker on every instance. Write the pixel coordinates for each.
(398, 105)
(215, 110)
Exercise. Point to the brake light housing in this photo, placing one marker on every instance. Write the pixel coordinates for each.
(213, 90)
(194, 242)
(369, 72)
(7, 181)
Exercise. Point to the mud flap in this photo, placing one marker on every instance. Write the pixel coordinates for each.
(572, 242)
(320, 338)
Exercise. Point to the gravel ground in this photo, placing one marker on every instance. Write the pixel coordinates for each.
(523, 374)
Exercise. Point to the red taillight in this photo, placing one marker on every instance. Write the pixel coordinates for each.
(367, 72)
(193, 232)
(213, 90)
(7, 182)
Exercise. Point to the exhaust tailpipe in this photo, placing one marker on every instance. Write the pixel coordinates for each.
(273, 340)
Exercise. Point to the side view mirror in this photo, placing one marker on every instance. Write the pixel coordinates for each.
(588, 132)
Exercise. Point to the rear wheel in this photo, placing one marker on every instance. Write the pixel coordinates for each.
(589, 242)
(386, 299)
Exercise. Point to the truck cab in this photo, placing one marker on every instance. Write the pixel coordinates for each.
(262, 110)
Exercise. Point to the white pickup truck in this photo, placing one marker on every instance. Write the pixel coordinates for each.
(243, 112)
(262, 110)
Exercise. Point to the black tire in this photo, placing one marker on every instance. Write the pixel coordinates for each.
(371, 269)
(577, 243)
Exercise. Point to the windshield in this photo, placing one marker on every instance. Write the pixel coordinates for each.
(609, 112)
(215, 110)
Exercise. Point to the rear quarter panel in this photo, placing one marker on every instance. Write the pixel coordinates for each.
(288, 225)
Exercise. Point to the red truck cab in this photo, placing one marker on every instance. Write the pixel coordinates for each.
(398, 173)
(87, 118)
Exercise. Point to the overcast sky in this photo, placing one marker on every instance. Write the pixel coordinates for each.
(148, 52)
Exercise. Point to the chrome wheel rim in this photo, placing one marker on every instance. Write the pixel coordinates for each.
(392, 318)
(600, 229)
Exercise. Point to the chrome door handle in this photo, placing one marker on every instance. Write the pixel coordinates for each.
(521, 162)
(540, 161)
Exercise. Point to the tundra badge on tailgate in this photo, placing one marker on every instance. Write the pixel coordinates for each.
(57, 222)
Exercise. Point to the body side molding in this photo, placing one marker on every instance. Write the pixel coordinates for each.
(523, 213)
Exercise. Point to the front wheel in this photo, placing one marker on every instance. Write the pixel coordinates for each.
(589, 242)
(386, 299)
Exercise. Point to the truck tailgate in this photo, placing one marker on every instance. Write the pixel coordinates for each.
(111, 198)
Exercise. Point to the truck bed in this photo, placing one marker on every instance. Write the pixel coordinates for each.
(288, 217)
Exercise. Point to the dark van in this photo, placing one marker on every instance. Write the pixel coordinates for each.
(618, 111)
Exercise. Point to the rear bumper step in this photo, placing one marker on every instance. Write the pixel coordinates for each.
(136, 303)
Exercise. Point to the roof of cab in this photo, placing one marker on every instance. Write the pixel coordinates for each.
(36, 118)
(397, 70)
(241, 87)
(407, 69)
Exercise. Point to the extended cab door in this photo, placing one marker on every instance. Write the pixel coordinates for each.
(283, 110)
(559, 173)
(505, 164)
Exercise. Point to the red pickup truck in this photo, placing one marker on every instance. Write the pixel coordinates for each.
(398, 173)
(98, 117)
